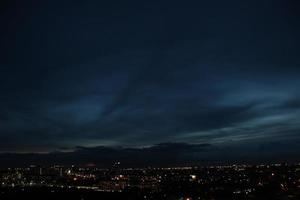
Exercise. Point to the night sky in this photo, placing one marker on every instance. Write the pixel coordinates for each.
(224, 75)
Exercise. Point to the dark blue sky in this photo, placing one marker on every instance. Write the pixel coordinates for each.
(138, 73)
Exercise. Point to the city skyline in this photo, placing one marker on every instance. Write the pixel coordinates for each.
(276, 181)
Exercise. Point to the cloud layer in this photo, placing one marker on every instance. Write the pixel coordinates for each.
(138, 74)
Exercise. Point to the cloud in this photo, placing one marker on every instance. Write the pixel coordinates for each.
(86, 76)
(292, 104)
(167, 154)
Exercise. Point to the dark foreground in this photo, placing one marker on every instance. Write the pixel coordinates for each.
(74, 194)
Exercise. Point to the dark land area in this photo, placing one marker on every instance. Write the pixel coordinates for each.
(276, 181)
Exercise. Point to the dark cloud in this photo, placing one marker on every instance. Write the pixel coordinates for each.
(141, 73)
(167, 154)
(292, 103)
